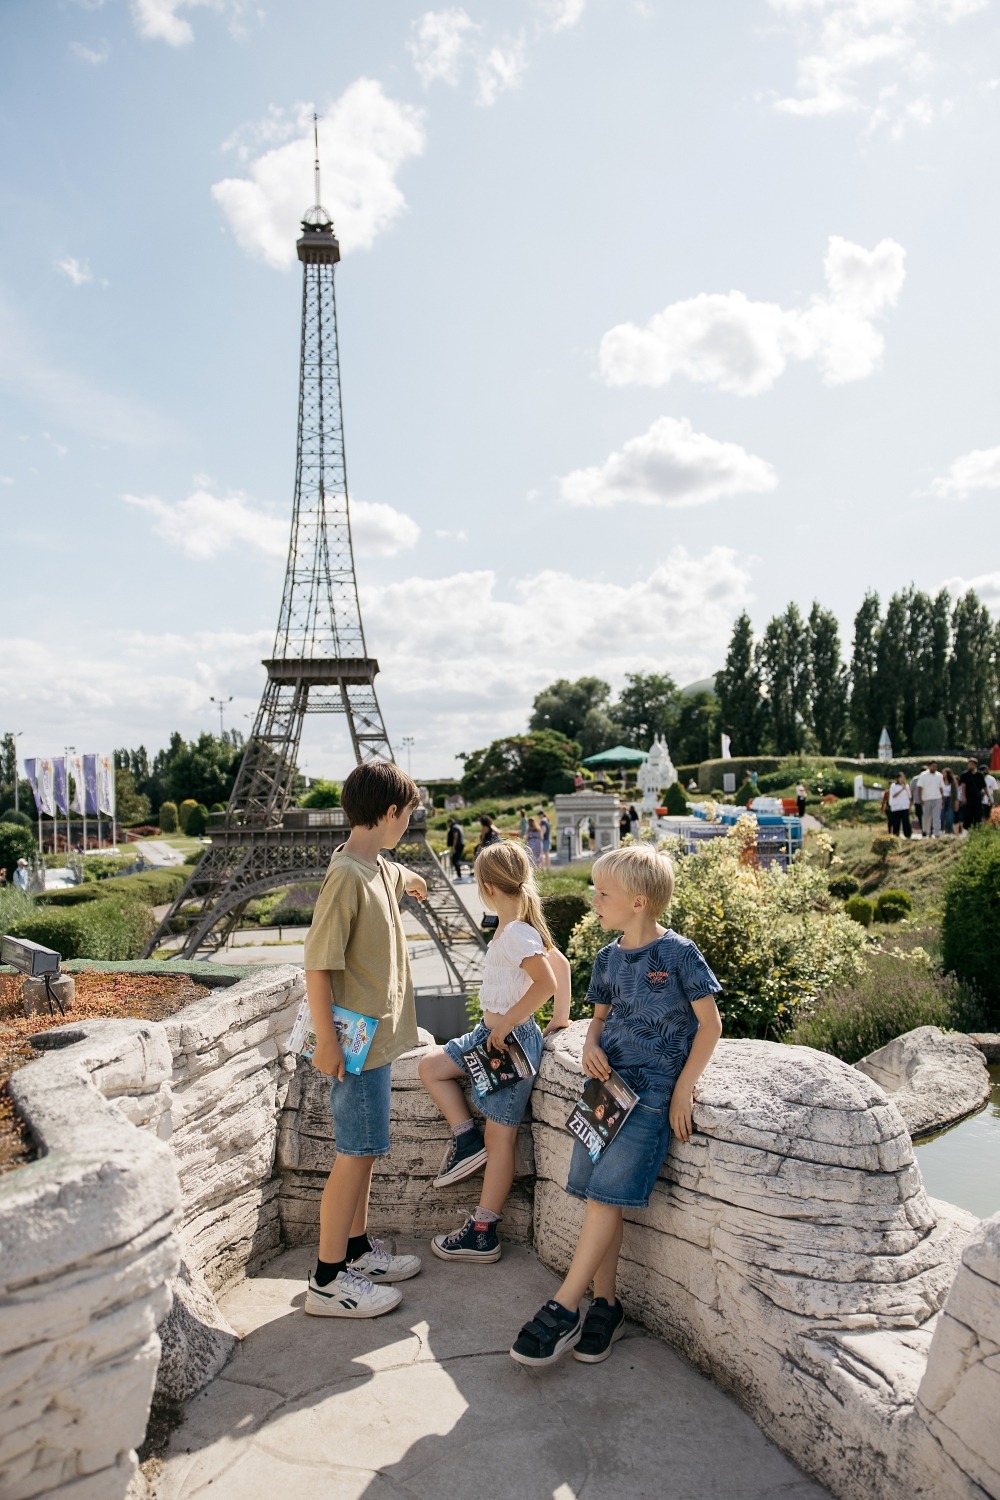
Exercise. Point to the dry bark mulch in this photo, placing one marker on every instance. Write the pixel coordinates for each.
(144, 997)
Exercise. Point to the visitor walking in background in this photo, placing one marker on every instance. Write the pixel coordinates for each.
(623, 824)
(915, 800)
(634, 824)
(972, 793)
(900, 799)
(456, 843)
(949, 800)
(930, 787)
(991, 786)
(886, 808)
(546, 827)
(800, 798)
(522, 822)
(533, 839)
(488, 834)
(21, 875)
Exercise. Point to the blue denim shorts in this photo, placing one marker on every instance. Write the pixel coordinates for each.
(624, 1173)
(506, 1106)
(360, 1109)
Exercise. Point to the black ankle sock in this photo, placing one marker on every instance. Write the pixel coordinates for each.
(326, 1270)
(358, 1244)
(560, 1311)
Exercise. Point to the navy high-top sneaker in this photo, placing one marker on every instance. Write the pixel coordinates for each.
(476, 1240)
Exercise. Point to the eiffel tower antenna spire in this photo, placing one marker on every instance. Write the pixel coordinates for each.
(319, 665)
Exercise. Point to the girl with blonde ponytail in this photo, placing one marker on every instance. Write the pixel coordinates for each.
(523, 969)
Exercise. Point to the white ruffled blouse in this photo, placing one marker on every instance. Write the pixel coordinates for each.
(504, 981)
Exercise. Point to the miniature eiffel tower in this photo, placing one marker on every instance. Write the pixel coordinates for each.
(320, 664)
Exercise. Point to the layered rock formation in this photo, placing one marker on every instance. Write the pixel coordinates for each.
(790, 1250)
(932, 1079)
(404, 1199)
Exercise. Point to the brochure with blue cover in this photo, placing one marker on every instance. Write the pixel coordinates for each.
(600, 1113)
(354, 1031)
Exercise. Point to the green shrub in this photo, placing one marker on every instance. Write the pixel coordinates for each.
(194, 857)
(562, 912)
(184, 812)
(217, 807)
(883, 846)
(168, 817)
(675, 801)
(892, 994)
(844, 887)
(75, 895)
(15, 815)
(893, 906)
(15, 843)
(970, 930)
(156, 887)
(744, 794)
(860, 910)
(322, 794)
(770, 936)
(100, 929)
(197, 822)
(288, 916)
(14, 906)
(711, 772)
(846, 810)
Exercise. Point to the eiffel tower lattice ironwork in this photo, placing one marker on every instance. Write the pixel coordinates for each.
(320, 664)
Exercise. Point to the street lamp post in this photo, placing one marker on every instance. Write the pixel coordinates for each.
(408, 742)
(220, 704)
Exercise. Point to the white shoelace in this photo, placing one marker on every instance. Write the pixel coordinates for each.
(456, 1234)
(379, 1251)
(358, 1284)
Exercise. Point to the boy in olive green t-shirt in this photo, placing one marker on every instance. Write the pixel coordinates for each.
(356, 956)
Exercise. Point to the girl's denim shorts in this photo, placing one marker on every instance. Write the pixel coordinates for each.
(506, 1106)
(360, 1109)
(624, 1173)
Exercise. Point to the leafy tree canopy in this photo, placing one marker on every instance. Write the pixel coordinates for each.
(519, 763)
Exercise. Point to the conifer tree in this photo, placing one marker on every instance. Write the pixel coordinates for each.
(737, 688)
(864, 707)
(783, 659)
(973, 672)
(827, 681)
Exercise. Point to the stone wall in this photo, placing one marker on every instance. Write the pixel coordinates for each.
(404, 1199)
(790, 1250)
(932, 1078)
(154, 1189)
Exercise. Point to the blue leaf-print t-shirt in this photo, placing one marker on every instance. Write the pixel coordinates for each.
(648, 1035)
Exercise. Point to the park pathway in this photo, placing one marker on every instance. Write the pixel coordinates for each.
(426, 1403)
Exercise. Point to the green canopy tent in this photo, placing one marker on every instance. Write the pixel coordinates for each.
(618, 755)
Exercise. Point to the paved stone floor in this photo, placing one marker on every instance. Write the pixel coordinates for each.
(426, 1403)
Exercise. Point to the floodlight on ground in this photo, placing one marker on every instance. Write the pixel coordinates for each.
(28, 957)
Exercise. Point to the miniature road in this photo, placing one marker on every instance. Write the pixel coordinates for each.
(426, 1403)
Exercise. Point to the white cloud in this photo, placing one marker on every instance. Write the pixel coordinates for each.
(379, 530)
(6, 479)
(93, 55)
(978, 470)
(160, 21)
(204, 525)
(670, 465)
(726, 340)
(439, 43)
(452, 536)
(562, 14)
(30, 375)
(861, 56)
(500, 69)
(986, 585)
(454, 675)
(364, 139)
(78, 271)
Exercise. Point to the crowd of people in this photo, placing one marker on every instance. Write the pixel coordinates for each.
(534, 831)
(939, 801)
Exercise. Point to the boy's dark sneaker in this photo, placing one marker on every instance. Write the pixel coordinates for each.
(604, 1323)
(476, 1240)
(547, 1337)
(466, 1155)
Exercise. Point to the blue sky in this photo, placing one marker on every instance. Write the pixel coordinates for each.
(649, 311)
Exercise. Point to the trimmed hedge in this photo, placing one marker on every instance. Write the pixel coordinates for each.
(711, 772)
(844, 887)
(155, 887)
(562, 911)
(99, 929)
(970, 930)
(860, 910)
(893, 906)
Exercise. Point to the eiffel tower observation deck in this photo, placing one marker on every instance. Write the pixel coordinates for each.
(320, 665)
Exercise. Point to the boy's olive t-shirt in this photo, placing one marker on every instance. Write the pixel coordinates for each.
(357, 935)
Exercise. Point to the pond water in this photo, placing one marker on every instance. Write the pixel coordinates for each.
(962, 1164)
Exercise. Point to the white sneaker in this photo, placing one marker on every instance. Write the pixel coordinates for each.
(349, 1295)
(378, 1265)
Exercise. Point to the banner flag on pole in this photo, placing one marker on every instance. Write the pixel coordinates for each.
(75, 767)
(106, 784)
(40, 772)
(90, 782)
(60, 784)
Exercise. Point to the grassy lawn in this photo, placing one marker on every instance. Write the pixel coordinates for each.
(179, 841)
(919, 867)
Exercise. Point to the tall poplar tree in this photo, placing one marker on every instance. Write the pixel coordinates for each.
(827, 681)
(737, 688)
(783, 658)
(973, 673)
(864, 708)
(893, 669)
